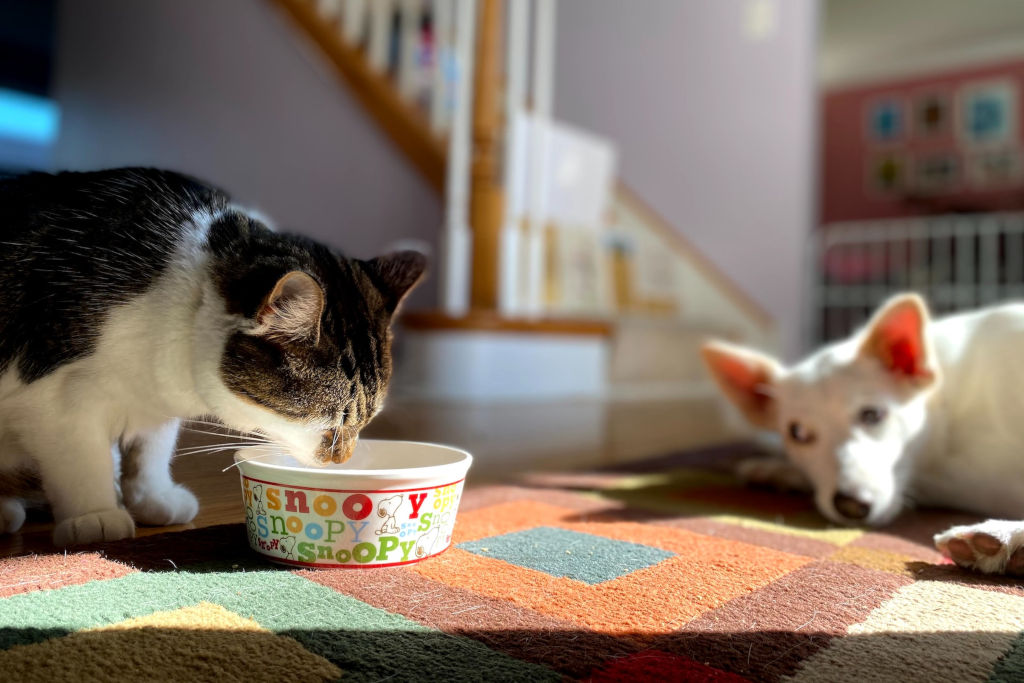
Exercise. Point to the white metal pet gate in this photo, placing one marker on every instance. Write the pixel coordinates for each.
(956, 262)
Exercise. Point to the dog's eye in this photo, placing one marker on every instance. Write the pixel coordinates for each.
(871, 416)
(800, 434)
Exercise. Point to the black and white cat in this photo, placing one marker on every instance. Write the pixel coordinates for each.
(133, 298)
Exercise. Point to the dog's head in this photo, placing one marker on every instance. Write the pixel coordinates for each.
(850, 415)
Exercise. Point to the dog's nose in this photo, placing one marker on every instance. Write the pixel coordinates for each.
(850, 507)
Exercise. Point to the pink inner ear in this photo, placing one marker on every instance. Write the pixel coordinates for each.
(739, 374)
(905, 358)
(752, 381)
(899, 343)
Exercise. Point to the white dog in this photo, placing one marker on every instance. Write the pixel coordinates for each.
(908, 410)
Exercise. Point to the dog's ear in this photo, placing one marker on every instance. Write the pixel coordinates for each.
(747, 379)
(896, 337)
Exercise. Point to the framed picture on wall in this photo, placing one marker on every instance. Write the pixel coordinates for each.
(996, 169)
(932, 114)
(936, 172)
(987, 113)
(885, 119)
(886, 174)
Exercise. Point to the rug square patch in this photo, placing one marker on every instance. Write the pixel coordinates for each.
(650, 665)
(1011, 667)
(50, 572)
(569, 554)
(928, 631)
(702, 574)
(199, 642)
(503, 518)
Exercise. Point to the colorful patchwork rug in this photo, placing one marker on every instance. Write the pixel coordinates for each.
(667, 571)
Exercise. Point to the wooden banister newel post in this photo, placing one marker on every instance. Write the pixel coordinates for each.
(486, 204)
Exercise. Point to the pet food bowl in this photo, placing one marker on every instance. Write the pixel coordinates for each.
(393, 503)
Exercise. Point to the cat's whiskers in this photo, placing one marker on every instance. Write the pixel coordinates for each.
(219, 446)
(258, 439)
(255, 457)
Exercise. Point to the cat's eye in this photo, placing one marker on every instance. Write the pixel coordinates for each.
(871, 416)
(801, 434)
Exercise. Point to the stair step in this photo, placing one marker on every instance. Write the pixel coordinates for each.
(659, 351)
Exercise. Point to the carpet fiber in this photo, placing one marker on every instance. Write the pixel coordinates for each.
(667, 570)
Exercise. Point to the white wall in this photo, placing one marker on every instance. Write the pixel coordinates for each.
(712, 106)
(230, 91)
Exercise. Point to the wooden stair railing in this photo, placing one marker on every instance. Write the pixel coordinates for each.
(487, 196)
(411, 129)
(408, 127)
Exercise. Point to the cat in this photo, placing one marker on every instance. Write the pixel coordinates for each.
(133, 298)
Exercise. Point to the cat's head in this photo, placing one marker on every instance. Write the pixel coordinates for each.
(307, 359)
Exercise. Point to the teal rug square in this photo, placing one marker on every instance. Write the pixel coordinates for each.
(570, 554)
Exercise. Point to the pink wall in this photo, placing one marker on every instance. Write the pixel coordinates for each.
(851, 154)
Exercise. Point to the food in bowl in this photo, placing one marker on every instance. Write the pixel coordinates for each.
(393, 503)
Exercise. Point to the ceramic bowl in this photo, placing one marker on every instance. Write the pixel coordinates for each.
(393, 503)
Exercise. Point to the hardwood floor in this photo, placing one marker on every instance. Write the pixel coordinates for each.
(505, 440)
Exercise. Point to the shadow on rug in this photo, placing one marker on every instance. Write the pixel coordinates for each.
(665, 570)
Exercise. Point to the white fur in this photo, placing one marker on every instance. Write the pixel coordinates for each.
(156, 360)
(958, 443)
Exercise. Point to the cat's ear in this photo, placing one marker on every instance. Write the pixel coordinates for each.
(291, 312)
(394, 275)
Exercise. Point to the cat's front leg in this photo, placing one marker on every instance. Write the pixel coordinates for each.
(149, 492)
(12, 515)
(77, 472)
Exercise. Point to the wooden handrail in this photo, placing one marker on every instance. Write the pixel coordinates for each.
(491, 321)
(487, 197)
(683, 247)
(408, 127)
(410, 130)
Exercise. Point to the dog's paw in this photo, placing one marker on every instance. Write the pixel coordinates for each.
(12, 515)
(992, 547)
(105, 525)
(173, 505)
(774, 472)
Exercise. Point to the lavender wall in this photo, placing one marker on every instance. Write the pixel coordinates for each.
(230, 91)
(716, 130)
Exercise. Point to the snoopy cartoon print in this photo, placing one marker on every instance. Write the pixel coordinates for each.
(250, 524)
(257, 499)
(386, 510)
(425, 544)
(287, 545)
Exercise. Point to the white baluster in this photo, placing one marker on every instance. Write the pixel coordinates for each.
(441, 87)
(510, 255)
(354, 21)
(410, 14)
(455, 269)
(380, 33)
(543, 78)
(329, 9)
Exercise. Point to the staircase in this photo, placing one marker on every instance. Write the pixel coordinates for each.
(444, 79)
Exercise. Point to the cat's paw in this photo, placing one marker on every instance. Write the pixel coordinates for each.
(776, 473)
(12, 515)
(172, 505)
(105, 525)
(992, 547)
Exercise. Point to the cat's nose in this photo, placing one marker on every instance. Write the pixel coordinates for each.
(343, 450)
(336, 446)
(850, 507)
